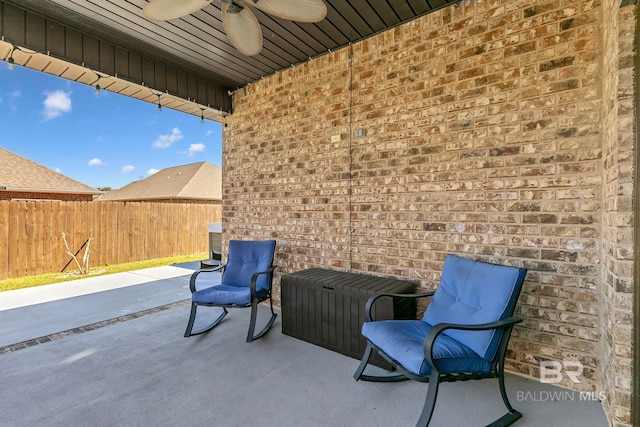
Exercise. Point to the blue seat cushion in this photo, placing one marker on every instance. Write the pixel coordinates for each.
(403, 341)
(225, 295)
(474, 292)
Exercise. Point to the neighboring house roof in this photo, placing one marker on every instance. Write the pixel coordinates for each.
(195, 181)
(20, 174)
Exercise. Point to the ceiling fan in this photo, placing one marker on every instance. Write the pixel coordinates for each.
(239, 22)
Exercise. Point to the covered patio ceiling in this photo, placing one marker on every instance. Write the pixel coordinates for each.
(190, 57)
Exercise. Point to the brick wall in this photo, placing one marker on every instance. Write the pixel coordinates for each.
(485, 131)
(617, 191)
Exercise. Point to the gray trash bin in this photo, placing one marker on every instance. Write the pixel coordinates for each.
(215, 246)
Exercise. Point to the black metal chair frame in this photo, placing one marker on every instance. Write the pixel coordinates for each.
(435, 377)
(255, 300)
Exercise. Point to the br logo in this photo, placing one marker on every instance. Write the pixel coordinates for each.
(551, 372)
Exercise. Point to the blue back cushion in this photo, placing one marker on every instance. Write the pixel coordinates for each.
(474, 292)
(245, 258)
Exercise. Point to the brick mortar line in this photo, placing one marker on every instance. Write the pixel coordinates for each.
(93, 326)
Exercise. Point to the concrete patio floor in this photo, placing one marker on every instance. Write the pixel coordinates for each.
(117, 356)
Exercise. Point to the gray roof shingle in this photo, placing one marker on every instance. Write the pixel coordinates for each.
(20, 174)
(195, 181)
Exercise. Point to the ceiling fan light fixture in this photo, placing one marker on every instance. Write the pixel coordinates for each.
(294, 10)
(164, 10)
(242, 28)
(233, 7)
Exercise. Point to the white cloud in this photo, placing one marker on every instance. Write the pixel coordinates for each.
(128, 168)
(167, 140)
(152, 171)
(96, 162)
(58, 170)
(196, 148)
(12, 99)
(56, 103)
(209, 132)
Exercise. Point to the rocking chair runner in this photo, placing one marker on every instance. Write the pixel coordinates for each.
(246, 281)
(463, 335)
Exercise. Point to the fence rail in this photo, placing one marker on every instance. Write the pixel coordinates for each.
(31, 232)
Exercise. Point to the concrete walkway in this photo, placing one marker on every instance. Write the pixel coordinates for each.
(31, 313)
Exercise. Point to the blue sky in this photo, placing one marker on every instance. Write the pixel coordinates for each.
(105, 140)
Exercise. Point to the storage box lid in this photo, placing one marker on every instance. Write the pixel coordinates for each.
(341, 281)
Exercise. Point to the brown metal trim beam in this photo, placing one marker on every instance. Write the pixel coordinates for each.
(42, 34)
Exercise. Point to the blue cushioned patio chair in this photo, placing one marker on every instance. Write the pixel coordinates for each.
(246, 282)
(463, 335)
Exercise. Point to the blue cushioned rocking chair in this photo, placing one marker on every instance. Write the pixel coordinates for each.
(463, 335)
(246, 281)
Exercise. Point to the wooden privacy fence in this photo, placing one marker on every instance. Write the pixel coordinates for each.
(31, 241)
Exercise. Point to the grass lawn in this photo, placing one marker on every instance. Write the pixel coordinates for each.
(45, 279)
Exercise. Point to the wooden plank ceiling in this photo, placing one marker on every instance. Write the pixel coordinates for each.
(197, 43)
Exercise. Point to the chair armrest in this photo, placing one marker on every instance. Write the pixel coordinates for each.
(374, 298)
(192, 280)
(254, 279)
(437, 329)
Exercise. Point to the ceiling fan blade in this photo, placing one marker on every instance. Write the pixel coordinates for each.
(294, 10)
(164, 10)
(243, 30)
